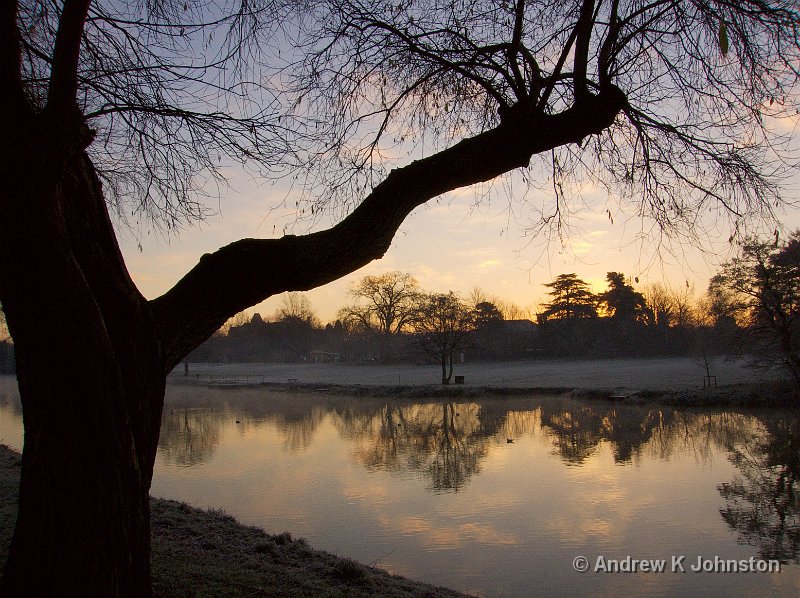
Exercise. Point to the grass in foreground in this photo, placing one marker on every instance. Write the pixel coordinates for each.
(201, 553)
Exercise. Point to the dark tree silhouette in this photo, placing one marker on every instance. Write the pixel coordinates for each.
(486, 316)
(386, 305)
(296, 306)
(623, 303)
(571, 299)
(119, 108)
(763, 289)
(390, 302)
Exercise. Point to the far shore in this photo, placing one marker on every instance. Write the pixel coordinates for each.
(623, 374)
(763, 394)
(671, 380)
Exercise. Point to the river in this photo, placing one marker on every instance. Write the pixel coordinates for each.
(498, 497)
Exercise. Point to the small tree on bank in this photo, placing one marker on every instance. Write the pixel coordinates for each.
(443, 328)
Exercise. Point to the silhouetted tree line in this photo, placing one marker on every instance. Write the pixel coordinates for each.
(623, 322)
(751, 306)
(393, 320)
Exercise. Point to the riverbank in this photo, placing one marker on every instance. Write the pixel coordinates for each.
(620, 374)
(208, 553)
(754, 394)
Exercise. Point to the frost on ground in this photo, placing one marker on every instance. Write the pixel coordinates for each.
(666, 373)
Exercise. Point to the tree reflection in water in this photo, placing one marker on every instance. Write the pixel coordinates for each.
(194, 417)
(763, 502)
(446, 442)
(443, 441)
(189, 435)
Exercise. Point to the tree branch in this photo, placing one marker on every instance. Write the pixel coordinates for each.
(250, 270)
(12, 99)
(583, 36)
(64, 74)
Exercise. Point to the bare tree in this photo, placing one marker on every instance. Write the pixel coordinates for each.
(692, 135)
(659, 301)
(297, 306)
(443, 327)
(386, 303)
(684, 305)
(477, 296)
(131, 108)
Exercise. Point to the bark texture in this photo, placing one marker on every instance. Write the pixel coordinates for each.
(90, 374)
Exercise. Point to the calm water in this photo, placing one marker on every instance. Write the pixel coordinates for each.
(436, 491)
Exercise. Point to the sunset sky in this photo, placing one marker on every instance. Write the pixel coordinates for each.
(449, 244)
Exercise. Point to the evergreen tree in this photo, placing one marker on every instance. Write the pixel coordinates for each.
(622, 302)
(572, 299)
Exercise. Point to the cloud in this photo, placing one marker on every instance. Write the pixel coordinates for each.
(489, 264)
(581, 247)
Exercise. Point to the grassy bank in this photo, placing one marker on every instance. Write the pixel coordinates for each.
(207, 553)
(761, 394)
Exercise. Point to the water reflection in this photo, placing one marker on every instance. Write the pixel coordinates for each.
(444, 442)
(194, 417)
(579, 428)
(189, 435)
(434, 490)
(763, 502)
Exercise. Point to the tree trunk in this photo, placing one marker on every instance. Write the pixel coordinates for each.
(450, 364)
(83, 526)
(447, 366)
(445, 377)
(91, 380)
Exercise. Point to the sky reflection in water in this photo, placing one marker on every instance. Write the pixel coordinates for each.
(435, 491)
